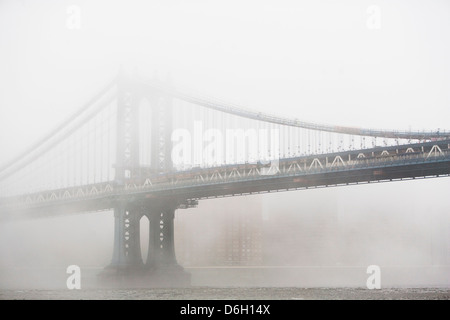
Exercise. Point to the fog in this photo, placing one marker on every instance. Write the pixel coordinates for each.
(319, 61)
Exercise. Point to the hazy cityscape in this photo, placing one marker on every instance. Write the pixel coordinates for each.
(260, 146)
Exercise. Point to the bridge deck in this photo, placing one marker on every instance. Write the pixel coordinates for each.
(351, 167)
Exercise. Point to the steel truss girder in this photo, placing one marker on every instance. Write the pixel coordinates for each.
(294, 166)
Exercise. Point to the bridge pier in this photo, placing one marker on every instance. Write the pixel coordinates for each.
(162, 229)
(161, 248)
(161, 268)
(127, 246)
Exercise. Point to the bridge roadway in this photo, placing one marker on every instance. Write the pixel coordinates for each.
(185, 188)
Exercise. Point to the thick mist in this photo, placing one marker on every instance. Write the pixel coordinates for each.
(344, 63)
(320, 237)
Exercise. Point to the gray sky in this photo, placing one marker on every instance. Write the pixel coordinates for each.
(313, 60)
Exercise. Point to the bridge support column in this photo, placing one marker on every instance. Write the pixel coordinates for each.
(161, 259)
(153, 241)
(161, 249)
(168, 241)
(127, 249)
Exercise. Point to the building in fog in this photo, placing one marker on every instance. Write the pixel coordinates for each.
(301, 230)
(220, 232)
(328, 227)
(251, 231)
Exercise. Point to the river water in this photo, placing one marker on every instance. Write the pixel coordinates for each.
(248, 283)
(232, 293)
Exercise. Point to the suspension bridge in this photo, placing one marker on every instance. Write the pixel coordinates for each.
(144, 147)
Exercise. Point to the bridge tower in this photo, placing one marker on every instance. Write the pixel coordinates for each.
(161, 131)
(161, 260)
(161, 264)
(126, 251)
